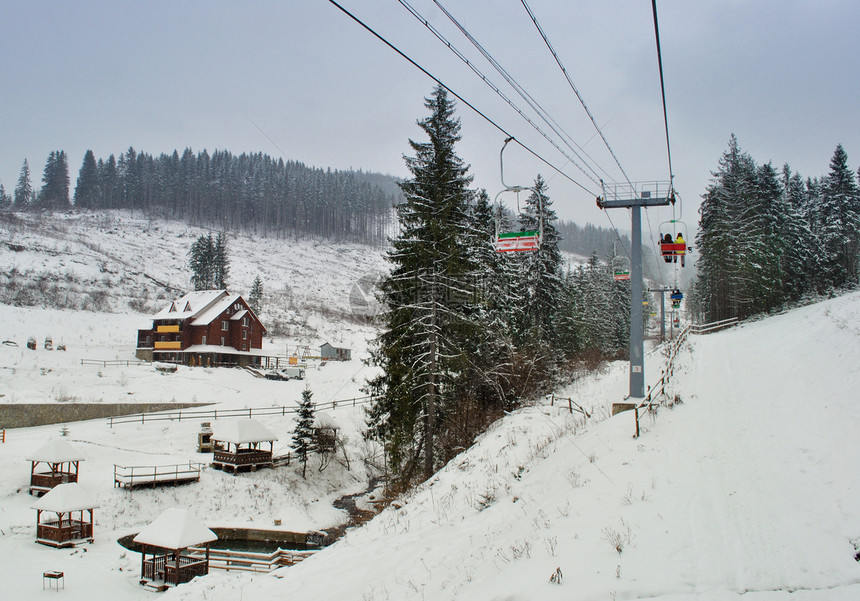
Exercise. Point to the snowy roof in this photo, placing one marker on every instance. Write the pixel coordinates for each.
(214, 310)
(240, 314)
(241, 431)
(175, 529)
(324, 420)
(190, 305)
(56, 451)
(66, 497)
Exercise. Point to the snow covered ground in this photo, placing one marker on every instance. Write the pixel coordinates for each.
(748, 489)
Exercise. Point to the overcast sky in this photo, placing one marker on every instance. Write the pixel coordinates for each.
(299, 79)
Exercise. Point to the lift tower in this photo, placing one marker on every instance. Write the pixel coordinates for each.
(634, 197)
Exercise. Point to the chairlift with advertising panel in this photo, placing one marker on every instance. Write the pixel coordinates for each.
(513, 241)
(620, 268)
(673, 241)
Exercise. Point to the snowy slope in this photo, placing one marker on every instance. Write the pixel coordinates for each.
(749, 489)
(746, 490)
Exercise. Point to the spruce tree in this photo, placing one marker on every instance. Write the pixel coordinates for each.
(839, 218)
(428, 323)
(220, 262)
(24, 190)
(55, 182)
(255, 298)
(303, 435)
(5, 199)
(201, 262)
(87, 186)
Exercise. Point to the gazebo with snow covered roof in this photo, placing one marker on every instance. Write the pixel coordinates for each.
(64, 516)
(240, 444)
(165, 560)
(56, 462)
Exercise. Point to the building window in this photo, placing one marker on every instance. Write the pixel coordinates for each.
(244, 334)
(244, 347)
(222, 341)
(225, 325)
(204, 339)
(245, 321)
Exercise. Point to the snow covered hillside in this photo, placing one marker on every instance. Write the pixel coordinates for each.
(120, 263)
(748, 489)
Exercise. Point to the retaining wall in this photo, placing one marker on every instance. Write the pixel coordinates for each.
(40, 414)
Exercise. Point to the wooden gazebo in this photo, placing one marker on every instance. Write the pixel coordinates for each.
(165, 560)
(56, 462)
(64, 516)
(241, 444)
(325, 432)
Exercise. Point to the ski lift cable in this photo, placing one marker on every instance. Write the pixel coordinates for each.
(566, 138)
(573, 87)
(460, 98)
(663, 92)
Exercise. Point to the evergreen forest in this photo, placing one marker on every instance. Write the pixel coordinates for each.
(768, 238)
(247, 192)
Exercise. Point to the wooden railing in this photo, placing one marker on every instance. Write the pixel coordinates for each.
(190, 566)
(242, 458)
(111, 363)
(130, 476)
(251, 412)
(657, 392)
(706, 328)
(246, 561)
(47, 481)
(65, 531)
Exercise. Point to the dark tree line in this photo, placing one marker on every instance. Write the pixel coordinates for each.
(469, 332)
(248, 192)
(767, 238)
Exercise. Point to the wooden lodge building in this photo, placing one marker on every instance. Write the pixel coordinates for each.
(205, 327)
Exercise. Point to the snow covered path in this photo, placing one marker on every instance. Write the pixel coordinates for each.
(764, 482)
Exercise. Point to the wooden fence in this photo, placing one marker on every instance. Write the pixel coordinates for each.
(657, 392)
(213, 414)
(246, 561)
(131, 476)
(112, 363)
(705, 328)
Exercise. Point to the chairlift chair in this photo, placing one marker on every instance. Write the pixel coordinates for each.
(514, 241)
(620, 268)
(670, 247)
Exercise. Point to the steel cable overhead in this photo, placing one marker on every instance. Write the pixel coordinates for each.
(501, 94)
(456, 95)
(573, 87)
(528, 98)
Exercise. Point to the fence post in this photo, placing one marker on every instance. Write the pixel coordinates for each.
(570, 404)
(636, 410)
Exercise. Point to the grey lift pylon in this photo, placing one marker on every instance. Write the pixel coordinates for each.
(634, 197)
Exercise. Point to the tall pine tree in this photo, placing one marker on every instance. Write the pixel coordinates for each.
(24, 190)
(303, 435)
(427, 323)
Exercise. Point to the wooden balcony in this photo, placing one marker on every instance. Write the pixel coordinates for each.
(168, 345)
(168, 329)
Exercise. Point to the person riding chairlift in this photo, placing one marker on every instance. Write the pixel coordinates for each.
(667, 254)
(683, 253)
